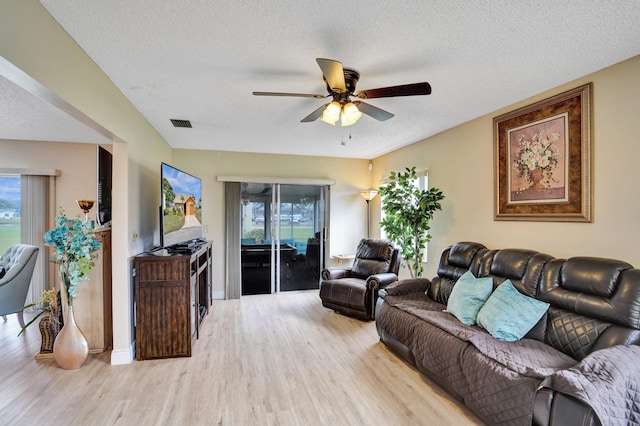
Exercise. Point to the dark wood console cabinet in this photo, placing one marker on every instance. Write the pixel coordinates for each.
(173, 296)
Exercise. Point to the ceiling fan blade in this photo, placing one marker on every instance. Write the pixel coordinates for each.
(299, 95)
(402, 90)
(375, 112)
(333, 74)
(314, 115)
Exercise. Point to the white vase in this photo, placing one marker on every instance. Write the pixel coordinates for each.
(70, 348)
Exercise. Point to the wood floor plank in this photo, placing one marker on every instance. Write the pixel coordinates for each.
(267, 359)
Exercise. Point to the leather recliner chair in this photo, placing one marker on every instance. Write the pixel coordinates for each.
(354, 291)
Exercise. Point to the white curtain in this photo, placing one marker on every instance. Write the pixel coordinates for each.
(35, 216)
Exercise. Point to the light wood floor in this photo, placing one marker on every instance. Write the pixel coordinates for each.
(262, 360)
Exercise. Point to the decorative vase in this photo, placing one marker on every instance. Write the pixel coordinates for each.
(70, 348)
(535, 177)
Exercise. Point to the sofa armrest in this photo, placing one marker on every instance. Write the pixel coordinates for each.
(335, 273)
(553, 408)
(381, 280)
(411, 285)
(603, 381)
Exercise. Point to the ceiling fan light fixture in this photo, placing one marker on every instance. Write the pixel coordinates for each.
(331, 113)
(350, 114)
(341, 85)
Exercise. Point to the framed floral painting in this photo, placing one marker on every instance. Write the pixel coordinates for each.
(543, 160)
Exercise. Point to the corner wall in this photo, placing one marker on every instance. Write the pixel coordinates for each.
(460, 163)
(31, 40)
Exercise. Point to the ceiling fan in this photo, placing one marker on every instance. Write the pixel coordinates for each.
(341, 85)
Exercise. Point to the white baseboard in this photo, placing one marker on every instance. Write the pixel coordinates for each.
(218, 295)
(123, 356)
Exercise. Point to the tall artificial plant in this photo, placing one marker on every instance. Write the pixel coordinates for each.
(407, 212)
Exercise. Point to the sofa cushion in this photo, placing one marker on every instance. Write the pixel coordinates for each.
(367, 267)
(349, 292)
(508, 314)
(468, 296)
(591, 275)
(373, 256)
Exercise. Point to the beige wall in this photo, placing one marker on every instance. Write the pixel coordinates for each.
(460, 162)
(76, 162)
(348, 209)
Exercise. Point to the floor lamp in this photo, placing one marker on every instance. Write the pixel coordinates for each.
(369, 195)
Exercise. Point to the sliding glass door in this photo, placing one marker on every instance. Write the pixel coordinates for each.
(300, 225)
(282, 241)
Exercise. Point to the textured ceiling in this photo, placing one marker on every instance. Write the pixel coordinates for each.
(27, 117)
(201, 60)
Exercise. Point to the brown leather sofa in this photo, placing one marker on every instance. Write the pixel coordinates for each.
(354, 291)
(577, 366)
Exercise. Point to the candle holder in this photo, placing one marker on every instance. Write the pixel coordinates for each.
(85, 205)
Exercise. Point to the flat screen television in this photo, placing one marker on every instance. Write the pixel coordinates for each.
(105, 173)
(181, 208)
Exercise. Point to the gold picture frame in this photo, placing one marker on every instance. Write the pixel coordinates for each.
(542, 157)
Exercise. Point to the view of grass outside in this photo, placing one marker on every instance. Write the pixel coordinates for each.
(298, 231)
(295, 222)
(9, 233)
(9, 211)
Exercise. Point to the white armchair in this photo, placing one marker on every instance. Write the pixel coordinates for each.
(17, 263)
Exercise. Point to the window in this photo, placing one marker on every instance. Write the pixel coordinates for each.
(9, 211)
(24, 217)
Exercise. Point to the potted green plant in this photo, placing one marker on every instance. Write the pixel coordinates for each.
(407, 211)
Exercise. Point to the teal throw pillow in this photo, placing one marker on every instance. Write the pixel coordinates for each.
(468, 296)
(508, 314)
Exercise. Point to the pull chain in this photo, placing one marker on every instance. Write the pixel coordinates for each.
(342, 141)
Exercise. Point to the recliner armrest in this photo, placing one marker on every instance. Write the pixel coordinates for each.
(381, 280)
(411, 285)
(554, 408)
(336, 273)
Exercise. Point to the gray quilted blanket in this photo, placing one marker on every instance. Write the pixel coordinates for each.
(607, 381)
(497, 379)
(500, 379)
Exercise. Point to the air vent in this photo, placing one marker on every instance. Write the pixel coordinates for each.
(181, 123)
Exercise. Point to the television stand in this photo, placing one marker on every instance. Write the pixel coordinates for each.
(173, 296)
